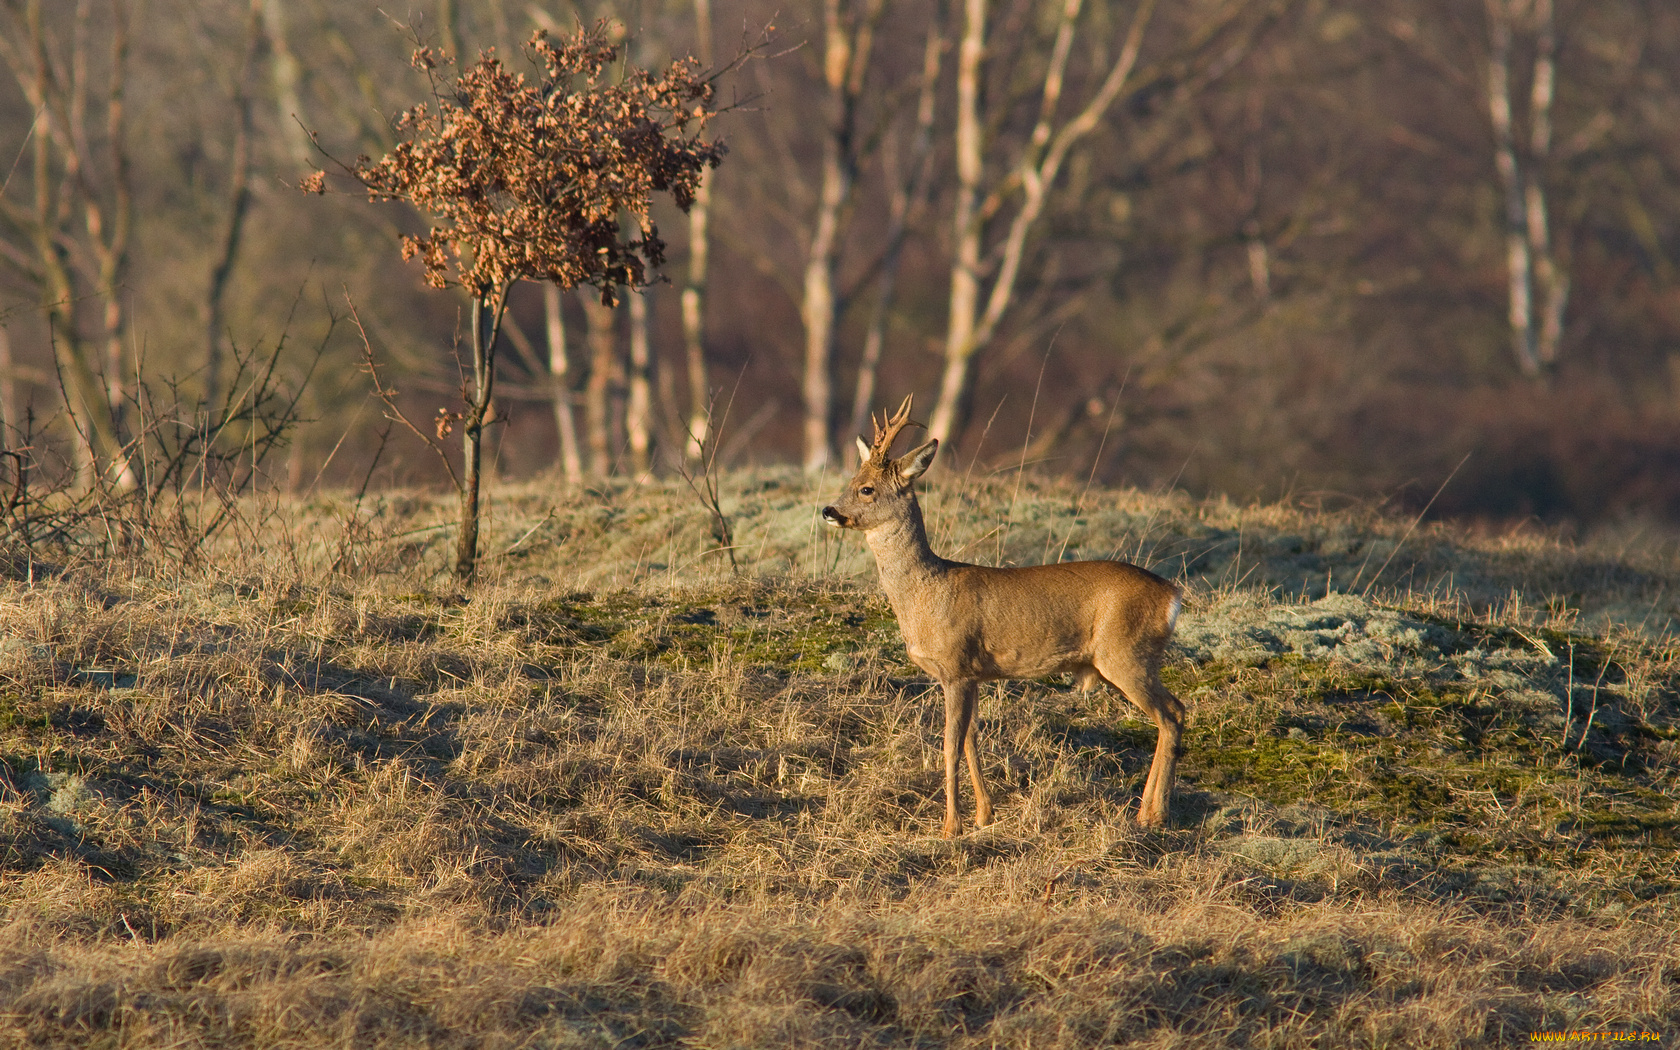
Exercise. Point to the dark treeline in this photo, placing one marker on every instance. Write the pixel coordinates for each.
(1329, 249)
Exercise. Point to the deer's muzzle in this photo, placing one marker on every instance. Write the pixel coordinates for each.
(835, 518)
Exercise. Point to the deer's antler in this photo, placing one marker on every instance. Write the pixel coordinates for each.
(887, 431)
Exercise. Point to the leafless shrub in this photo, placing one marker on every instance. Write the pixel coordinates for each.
(191, 467)
(704, 484)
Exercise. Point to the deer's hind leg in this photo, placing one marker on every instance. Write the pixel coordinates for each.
(971, 750)
(1140, 680)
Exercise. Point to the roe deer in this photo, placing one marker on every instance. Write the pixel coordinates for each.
(1105, 621)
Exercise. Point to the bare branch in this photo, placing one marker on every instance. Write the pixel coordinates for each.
(388, 396)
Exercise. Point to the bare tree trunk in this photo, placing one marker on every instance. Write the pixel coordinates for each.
(1034, 174)
(817, 309)
(638, 415)
(8, 390)
(694, 286)
(449, 37)
(846, 58)
(908, 194)
(559, 368)
(1254, 239)
(288, 79)
(604, 368)
(694, 321)
(57, 294)
(670, 438)
(60, 104)
(965, 229)
(1517, 257)
(239, 201)
(59, 298)
(108, 231)
(1550, 279)
(487, 307)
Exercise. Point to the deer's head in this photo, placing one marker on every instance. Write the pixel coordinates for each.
(880, 491)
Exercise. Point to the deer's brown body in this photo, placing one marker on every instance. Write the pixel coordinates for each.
(1103, 621)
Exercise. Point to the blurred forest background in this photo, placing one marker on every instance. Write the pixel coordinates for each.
(1318, 248)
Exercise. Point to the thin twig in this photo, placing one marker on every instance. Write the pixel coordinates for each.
(532, 531)
(388, 396)
(1366, 592)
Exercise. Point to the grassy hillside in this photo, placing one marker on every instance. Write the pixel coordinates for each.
(309, 793)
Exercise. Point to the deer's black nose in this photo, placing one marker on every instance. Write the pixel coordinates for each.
(833, 517)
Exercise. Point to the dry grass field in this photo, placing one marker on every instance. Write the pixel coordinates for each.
(307, 792)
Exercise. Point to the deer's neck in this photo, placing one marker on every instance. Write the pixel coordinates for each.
(902, 553)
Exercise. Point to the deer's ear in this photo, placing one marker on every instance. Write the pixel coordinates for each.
(914, 463)
(863, 450)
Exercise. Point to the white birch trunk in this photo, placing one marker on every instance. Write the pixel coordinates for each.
(908, 194)
(846, 57)
(559, 368)
(970, 328)
(694, 288)
(603, 379)
(8, 391)
(965, 265)
(1551, 282)
(288, 78)
(1519, 278)
(1537, 284)
(638, 413)
(59, 99)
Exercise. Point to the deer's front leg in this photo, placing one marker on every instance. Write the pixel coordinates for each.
(960, 696)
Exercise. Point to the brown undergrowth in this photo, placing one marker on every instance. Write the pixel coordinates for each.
(618, 796)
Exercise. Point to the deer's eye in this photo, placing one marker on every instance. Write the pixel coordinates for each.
(867, 490)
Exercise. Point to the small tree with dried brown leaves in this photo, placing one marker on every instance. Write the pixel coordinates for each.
(532, 177)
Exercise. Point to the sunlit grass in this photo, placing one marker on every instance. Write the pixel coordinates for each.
(311, 793)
